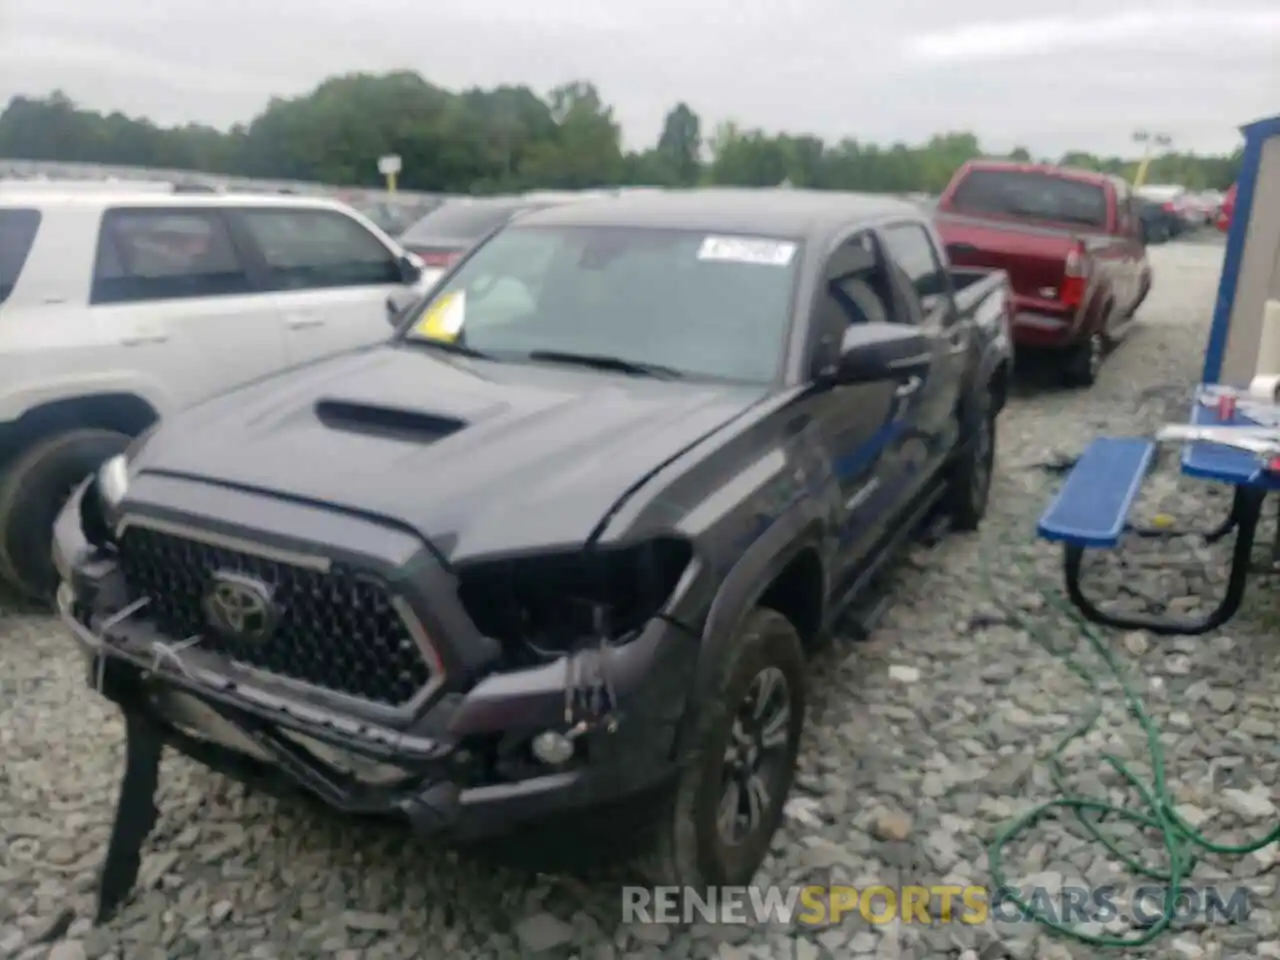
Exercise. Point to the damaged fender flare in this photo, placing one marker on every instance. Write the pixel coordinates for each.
(796, 530)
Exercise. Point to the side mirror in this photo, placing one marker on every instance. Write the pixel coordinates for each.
(397, 304)
(411, 268)
(870, 352)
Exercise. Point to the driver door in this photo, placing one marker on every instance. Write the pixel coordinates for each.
(858, 423)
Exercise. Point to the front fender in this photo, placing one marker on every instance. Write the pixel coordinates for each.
(799, 528)
(19, 399)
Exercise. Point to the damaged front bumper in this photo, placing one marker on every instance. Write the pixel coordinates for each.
(461, 768)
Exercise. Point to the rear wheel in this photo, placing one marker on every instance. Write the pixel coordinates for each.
(1083, 361)
(33, 490)
(971, 480)
(716, 826)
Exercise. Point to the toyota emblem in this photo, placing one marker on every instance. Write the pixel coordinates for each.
(239, 607)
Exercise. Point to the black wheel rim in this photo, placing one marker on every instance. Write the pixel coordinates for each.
(755, 758)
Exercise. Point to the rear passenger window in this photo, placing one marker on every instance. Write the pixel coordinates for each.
(158, 254)
(17, 234)
(309, 249)
(912, 250)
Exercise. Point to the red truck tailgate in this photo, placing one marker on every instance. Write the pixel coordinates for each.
(1034, 257)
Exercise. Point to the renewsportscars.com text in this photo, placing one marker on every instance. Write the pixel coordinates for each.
(826, 905)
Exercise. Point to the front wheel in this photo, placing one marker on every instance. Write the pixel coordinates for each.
(717, 824)
(33, 490)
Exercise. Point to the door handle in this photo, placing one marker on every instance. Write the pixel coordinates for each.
(303, 321)
(908, 388)
(144, 339)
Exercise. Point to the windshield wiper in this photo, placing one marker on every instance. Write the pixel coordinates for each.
(605, 362)
(449, 346)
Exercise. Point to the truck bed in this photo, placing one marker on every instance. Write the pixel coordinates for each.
(981, 292)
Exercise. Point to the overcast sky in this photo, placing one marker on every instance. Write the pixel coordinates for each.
(1014, 71)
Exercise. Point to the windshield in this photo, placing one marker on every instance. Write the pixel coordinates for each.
(706, 306)
(459, 221)
(1037, 195)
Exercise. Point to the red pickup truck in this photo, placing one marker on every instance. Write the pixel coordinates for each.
(1223, 219)
(1071, 242)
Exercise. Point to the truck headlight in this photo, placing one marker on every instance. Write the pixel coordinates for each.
(113, 481)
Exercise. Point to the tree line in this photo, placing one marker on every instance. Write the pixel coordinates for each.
(510, 139)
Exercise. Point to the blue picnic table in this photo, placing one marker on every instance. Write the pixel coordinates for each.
(1091, 512)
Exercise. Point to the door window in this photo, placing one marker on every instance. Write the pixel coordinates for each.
(160, 254)
(17, 234)
(913, 252)
(855, 289)
(315, 249)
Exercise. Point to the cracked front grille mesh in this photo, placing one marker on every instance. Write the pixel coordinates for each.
(335, 630)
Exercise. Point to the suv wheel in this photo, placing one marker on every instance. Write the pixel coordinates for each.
(727, 804)
(1084, 361)
(33, 489)
(971, 477)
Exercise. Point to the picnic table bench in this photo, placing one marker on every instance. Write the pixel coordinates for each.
(1091, 512)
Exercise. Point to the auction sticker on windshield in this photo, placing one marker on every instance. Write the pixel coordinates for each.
(761, 251)
(443, 319)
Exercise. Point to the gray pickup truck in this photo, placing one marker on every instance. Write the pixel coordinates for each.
(553, 555)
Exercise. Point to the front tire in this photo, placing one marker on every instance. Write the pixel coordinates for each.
(716, 826)
(33, 490)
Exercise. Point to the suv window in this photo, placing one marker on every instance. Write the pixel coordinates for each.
(1041, 196)
(912, 249)
(17, 235)
(310, 249)
(158, 254)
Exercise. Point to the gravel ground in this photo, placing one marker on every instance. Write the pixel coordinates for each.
(921, 740)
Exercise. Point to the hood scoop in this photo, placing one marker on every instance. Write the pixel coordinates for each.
(393, 423)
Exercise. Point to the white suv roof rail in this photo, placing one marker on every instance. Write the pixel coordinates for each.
(86, 186)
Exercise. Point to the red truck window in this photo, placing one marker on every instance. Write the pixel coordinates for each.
(1017, 193)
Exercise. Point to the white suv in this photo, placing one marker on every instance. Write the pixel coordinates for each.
(119, 304)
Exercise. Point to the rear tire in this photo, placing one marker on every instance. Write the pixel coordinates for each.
(1083, 361)
(715, 826)
(33, 490)
(970, 488)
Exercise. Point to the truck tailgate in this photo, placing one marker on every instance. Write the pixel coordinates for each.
(1034, 257)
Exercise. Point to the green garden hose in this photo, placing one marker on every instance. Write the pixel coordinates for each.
(1182, 842)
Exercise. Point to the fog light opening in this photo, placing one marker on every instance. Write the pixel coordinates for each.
(552, 748)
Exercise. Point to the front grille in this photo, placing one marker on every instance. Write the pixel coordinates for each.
(336, 630)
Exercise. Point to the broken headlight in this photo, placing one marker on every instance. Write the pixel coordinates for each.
(541, 607)
(113, 481)
(107, 491)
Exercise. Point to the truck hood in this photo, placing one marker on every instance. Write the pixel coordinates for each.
(478, 458)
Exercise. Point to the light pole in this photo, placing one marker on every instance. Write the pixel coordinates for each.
(1147, 139)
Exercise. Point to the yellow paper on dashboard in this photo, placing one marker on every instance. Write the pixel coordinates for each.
(443, 319)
